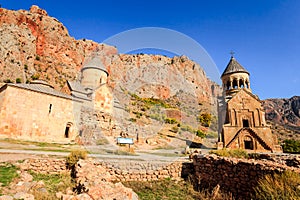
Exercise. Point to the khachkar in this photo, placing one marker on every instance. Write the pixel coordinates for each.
(241, 116)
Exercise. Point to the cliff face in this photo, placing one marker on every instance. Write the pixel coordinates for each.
(34, 45)
(283, 111)
(284, 115)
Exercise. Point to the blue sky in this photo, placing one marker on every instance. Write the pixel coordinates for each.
(264, 34)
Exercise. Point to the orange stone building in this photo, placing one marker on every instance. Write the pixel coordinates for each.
(241, 116)
(38, 112)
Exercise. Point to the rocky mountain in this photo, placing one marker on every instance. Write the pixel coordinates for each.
(36, 46)
(284, 115)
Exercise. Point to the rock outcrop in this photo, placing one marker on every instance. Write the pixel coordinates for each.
(284, 115)
(36, 46)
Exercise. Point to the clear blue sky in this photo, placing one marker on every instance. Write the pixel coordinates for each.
(265, 34)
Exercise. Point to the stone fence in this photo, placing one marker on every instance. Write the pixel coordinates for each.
(146, 170)
(237, 176)
(44, 165)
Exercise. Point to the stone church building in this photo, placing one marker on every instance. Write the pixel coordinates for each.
(241, 116)
(38, 112)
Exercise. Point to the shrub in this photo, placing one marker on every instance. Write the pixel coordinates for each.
(7, 81)
(291, 146)
(205, 119)
(174, 129)
(37, 57)
(171, 121)
(234, 153)
(18, 80)
(200, 133)
(74, 157)
(35, 77)
(278, 186)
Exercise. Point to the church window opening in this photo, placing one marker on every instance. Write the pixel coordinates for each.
(247, 84)
(67, 130)
(248, 142)
(235, 84)
(50, 108)
(241, 83)
(228, 85)
(245, 123)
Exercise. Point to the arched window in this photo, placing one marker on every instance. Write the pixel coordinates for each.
(228, 85)
(248, 142)
(247, 84)
(241, 83)
(67, 130)
(235, 84)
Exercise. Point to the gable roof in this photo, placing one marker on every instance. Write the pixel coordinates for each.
(247, 92)
(39, 88)
(233, 67)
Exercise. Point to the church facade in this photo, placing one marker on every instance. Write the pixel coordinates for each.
(241, 116)
(38, 112)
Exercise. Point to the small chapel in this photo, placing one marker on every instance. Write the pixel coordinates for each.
(242, 123)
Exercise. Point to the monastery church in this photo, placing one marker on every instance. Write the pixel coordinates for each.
(241, 116)
(38, 112)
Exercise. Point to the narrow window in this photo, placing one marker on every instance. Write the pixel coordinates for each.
(50, 108)
(67, 130)
(245, 123)
(235, 84)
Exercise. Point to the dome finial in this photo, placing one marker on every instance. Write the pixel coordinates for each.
(232, 53)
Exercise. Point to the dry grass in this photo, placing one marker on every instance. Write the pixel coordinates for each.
(171, 189)
(279, 186)
(233, 153)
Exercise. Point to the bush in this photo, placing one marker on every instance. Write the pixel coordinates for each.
(74, 157)
(174, 129)
(278, 186)
(291, 146)
(233, 153)
(7, 81)
(35, 77)
(171, 121)
(18, 80)
(200, 133)
(205, 119)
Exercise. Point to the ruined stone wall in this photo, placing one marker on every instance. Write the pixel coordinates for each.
(237, 176)
(146, 170)
(44, 165)
(26, 115)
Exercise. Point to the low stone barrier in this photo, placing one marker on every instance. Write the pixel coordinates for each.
(44, 165)
(146, 170)
(237, 176)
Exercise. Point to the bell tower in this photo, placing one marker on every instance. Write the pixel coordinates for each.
(234, 78)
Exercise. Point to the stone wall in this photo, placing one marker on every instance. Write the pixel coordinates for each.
(44, 165)
(146, 170)
(237, 176)
(29, 115)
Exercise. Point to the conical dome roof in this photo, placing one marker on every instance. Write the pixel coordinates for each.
(233, 67)
(95, 63)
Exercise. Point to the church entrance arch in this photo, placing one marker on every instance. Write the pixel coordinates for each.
(248, 143)
(67, 130)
